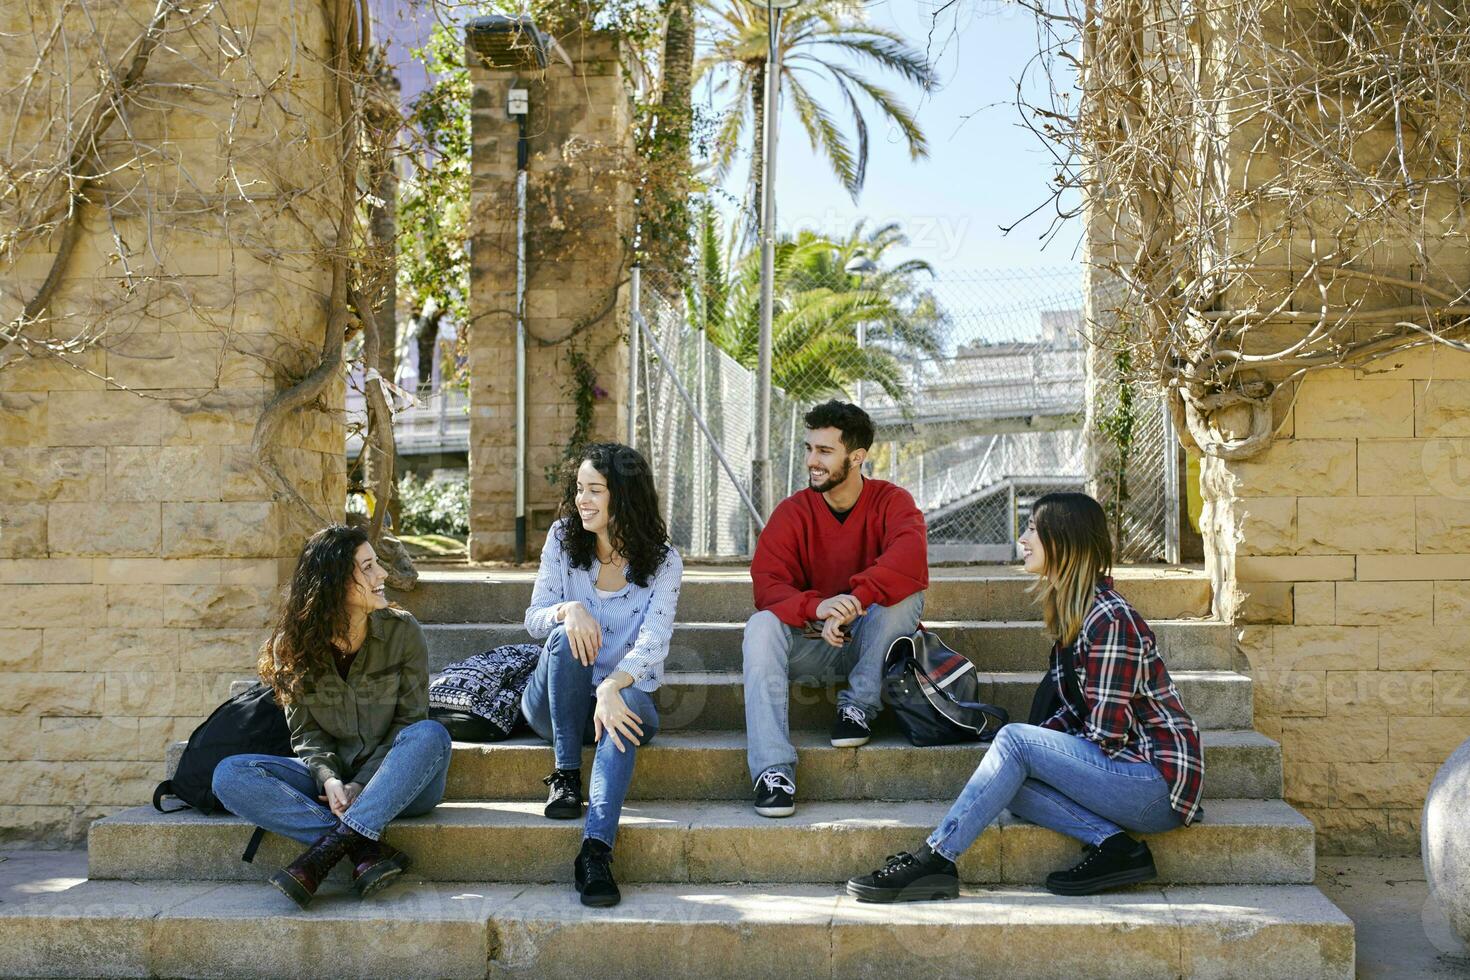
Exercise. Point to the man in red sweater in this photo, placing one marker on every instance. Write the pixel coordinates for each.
(839, 572)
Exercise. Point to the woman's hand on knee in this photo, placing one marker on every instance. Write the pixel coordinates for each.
(584, 635)
(612, 717)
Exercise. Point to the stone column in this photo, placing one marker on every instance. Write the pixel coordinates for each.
(140, 550)
(578, 229)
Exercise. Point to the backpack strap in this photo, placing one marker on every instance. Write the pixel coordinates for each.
(166, 788)
(255, 838)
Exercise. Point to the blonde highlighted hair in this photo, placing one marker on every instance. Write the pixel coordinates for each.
(1073, 531)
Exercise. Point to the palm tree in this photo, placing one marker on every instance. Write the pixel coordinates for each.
(818, 307)
(819, 39)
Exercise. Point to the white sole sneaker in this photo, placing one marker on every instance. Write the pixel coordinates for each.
(851, 743)
(776, 811)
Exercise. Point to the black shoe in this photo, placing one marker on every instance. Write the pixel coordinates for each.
(851, 728)
(593, 871)
(920, 877)
(565, 799)
(775, 794)
(300, 879)
(1119, 860)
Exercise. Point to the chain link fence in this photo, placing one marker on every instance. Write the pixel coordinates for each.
(977, 384)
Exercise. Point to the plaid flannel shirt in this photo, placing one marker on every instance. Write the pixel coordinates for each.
(1132, 709)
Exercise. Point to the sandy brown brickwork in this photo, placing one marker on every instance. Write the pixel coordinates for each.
(140, 549)
(1351, 549)
(579, 226)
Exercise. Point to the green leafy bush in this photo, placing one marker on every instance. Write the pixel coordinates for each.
(433, 506)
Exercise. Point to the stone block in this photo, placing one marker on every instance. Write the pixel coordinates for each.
(1293, 568)
(1381, 784)
(225, 651)
(201, 417)
(45, 571)
(1265, 602)
(24, 606)
(1341, 830)
(20, 650)
(103, 418)
(37, 474)
(23, 418)
(1412, 568)
(1443, 525)
(1295, 467)
(1379, 692)
(1287, 693)
(219, 607)
(104, 530)
(51, 693)
(88, 739)
(1267, 525)
(1425, 739)
(1334, 405)
(147, 693)
(1442, 408)
(1430, 363)
(23, 529)
(53, 373)
(134, 606)
(1354, 525)
(1318, 648)
(99, 783)
(1315, 603)
(1414, 467)
(112, 649)
(1451, 603)
(1335, 739)
(1384, 603)
(1452, 692)
(1423, 647)
(166, 473)
(156, 571)
(1312, 781)
(220, 530)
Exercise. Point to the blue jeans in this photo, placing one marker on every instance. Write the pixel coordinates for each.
(1060, 781)
(558, 703)
(776, 654)
(280, 794)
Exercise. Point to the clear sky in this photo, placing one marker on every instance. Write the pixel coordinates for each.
(984, 168)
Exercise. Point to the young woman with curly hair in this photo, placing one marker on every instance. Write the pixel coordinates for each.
(351, 673)
(604, 600)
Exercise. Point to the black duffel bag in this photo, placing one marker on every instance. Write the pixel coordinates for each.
(934, 691)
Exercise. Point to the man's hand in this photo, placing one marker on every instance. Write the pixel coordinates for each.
(845, 608)
(833, 631)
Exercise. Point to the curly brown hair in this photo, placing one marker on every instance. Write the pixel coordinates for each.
(314, 613)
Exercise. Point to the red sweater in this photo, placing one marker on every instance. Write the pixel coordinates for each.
(805, 555)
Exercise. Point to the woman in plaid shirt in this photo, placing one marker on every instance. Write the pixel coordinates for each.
(1116, 753)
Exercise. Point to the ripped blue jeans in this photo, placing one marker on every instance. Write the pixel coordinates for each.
(1060, 781)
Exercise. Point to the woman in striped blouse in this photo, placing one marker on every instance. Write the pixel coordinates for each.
(1115, 751)
(604, 601)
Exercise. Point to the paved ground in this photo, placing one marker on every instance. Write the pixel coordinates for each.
(1385, 897)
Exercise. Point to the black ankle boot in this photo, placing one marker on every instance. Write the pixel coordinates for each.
(918, 877)
(564, 802)
(375, 865)
(594, 876)
(1119, 860)
(300, 879)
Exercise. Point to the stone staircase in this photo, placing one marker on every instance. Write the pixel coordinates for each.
(710, 889)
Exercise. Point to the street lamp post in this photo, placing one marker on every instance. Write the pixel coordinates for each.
(760, 470)
(861, 266)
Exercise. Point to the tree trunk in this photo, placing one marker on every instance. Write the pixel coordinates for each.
(758, 156)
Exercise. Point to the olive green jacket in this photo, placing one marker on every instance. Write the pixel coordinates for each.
(343, 729)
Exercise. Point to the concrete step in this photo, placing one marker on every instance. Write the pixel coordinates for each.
(725, 595)
(472, 930)
(1184, 644)
(711, 766)
(1238, 842)
(716, 700)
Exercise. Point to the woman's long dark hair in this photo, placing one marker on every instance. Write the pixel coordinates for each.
(315, 611)
(1074, 535)
(635, 525)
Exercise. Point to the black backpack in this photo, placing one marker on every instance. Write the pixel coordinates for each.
(249, 723)
(934, 692)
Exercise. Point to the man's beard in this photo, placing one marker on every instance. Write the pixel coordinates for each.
(833, 479)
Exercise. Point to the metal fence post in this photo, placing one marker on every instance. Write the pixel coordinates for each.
(635, 282)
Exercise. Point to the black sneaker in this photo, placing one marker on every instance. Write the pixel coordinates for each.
(593, 871)
(851, 728)
(775, 794)
(920, 877)
(1119, 860)
(565, 799)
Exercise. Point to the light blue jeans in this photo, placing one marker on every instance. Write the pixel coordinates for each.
(1060, 781)
(558, 703)
(776, 654)
(280, 794)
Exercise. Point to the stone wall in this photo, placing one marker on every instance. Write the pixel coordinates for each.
(140, 549)
(1351, 551)
(578, 227)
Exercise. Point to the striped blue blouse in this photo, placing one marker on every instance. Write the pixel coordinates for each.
(637, 621)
